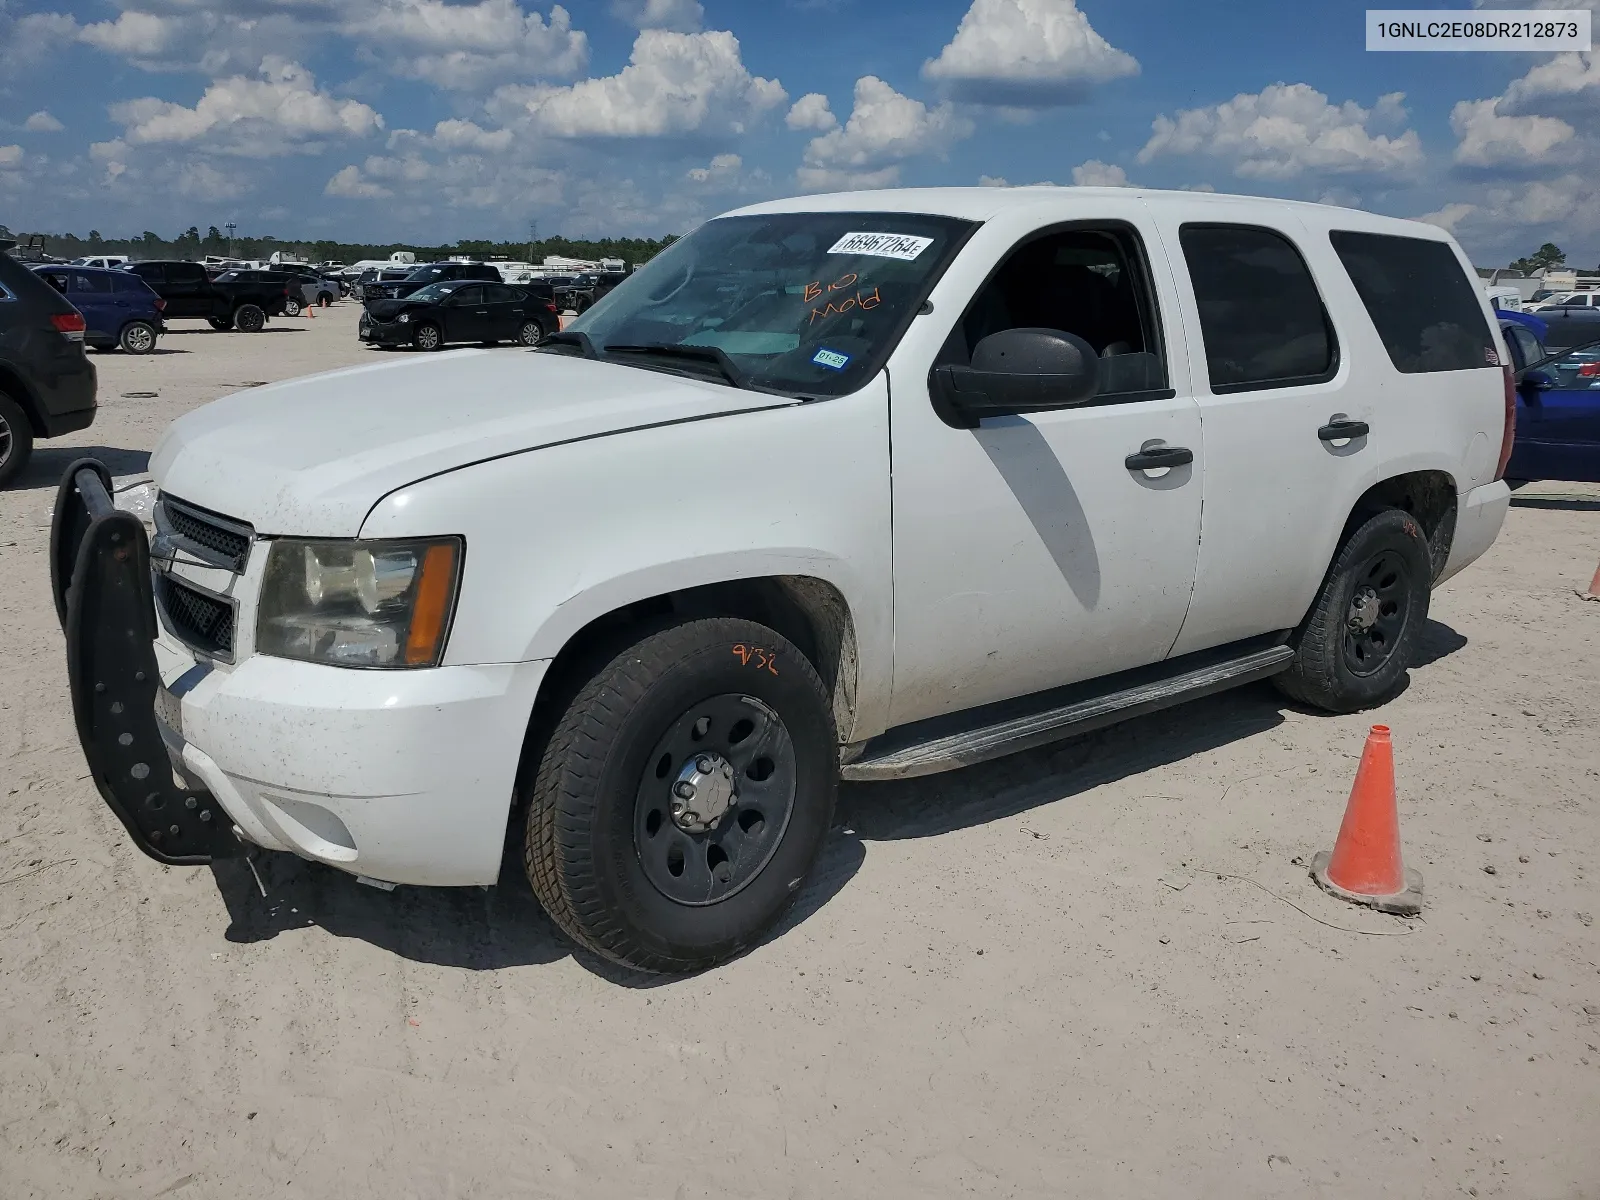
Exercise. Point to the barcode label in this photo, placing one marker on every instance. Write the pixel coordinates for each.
(882, 245)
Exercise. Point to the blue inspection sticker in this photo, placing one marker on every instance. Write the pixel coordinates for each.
(831, 359)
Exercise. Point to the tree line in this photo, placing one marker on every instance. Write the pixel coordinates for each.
(193, 244)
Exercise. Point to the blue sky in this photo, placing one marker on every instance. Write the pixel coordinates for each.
(441, 119)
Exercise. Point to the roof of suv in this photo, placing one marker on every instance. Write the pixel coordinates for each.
(986, 203)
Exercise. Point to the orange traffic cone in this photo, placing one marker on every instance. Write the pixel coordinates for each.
(1365, 866)
(1594, 587)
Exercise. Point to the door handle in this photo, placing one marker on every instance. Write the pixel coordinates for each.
(1157, 457)
(1342, 430)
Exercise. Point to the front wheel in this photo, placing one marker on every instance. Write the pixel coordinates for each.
(291, 307)
(16, 439)
(427, 337)
(249, 318)
(138, 337)
(684, 796)
(1354, 648)
(531, 333)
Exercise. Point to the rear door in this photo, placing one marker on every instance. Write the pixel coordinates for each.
(507, 308)
(189, 292)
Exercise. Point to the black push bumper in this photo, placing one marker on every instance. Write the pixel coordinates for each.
(100, 576)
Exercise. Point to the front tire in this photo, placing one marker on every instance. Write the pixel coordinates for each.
(427, 337)
(138, 337)
(684, 796)
(249, 318)
(16, 439)
(1355, 646)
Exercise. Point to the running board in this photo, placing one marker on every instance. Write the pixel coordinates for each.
(929, 747)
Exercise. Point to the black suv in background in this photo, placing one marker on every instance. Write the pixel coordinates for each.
(421, 276)
(47, 383)
(244, 302)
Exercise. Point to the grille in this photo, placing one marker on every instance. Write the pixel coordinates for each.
(223, 538)
(199, 620)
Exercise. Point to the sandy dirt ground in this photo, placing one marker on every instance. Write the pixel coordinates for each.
(1094, 970)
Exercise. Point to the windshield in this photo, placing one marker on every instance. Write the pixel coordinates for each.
(802, 303)
(434, 291)
(423, 274)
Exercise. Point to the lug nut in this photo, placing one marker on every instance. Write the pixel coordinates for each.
(685, 789)
(703, 765)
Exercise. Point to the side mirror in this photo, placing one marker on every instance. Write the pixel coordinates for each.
(1017, 371)
(1537, 381)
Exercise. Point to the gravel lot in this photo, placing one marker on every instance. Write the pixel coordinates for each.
(1096, 970)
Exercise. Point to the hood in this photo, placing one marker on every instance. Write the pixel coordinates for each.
(388, 310)
(312, 456)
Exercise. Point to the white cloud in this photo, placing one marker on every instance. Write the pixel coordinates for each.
(282, 112)
(1026, 53)
(10, 156)
(811, 112)
(455, 134)
(1448, 217)
(42, 122)
(994, 181)
(884, 129)
(201, 180)
(674, 84)
(1487, 139)
(348, 184)
(27, 42)
(682, 16)
(1285, 131)
(832, 179)
(724, 168)
(134, 34)
(1095, 173)
(1566, 85)
(464, 46)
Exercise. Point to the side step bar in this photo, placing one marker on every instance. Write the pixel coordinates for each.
(929, 747)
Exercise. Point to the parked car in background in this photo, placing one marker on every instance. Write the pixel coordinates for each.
(119, 309)
(604, 284)
(461, 311)
(1558, 403)
(418, 278)
(102, 260)
(236, 299)
(47, 383)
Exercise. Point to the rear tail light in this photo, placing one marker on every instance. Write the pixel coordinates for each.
(70, 325)
(1509, 436)
(552, 308)
(161, 305)
(1589, 371)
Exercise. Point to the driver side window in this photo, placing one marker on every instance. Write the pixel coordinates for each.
(1088, 281)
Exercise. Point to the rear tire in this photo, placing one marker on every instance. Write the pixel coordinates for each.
(16, 439)
(292, 307)
(249, 318)
(138, 337)
(607, 854)
(531, 333)
(1355, 646)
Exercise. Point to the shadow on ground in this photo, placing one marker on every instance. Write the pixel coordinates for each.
(487, 929)
(49, 463)
(1561, 503)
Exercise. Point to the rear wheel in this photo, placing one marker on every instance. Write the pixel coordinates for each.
(531, 333)
(16, 439)
(138, 337)
(292, 307)
(249, 318)
(1354, 648)
(427, 337)
(684, 796)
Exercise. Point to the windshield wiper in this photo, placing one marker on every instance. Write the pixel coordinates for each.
(572, 337)
(713, 356)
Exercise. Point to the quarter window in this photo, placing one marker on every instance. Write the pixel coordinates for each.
(93, 283)
(1427, 313)
(1261, 316)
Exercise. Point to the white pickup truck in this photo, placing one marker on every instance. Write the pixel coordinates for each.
(863, 486)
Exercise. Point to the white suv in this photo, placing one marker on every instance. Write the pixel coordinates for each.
(862, 486)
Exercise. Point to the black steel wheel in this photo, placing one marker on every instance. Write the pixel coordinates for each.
(249, 318)
(138, 337)
(683, 795)
(427, 337)
(1356, 644)
(16, 439)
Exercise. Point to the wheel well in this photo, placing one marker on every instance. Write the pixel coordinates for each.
(1429, 496)
(808, 611)
(12, 385)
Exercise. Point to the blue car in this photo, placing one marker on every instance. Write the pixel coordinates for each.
(119, 308)
(1558, 400)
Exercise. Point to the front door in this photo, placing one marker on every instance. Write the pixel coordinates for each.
(103, 310)
(1035, 551)
(466, 315)
(1558, 420)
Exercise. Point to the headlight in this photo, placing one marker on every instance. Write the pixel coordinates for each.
(405, 318)
(359, 604)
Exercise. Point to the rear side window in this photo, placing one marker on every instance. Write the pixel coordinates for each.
(123, 281)
(150, 271)
(1425, 309)
(92, 283)
(1261, 315)
(186, 272)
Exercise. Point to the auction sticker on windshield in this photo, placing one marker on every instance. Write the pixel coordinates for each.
(882, 245)
(832, 359)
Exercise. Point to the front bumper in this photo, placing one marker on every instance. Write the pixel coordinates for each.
(401, 776)
(379, 333)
